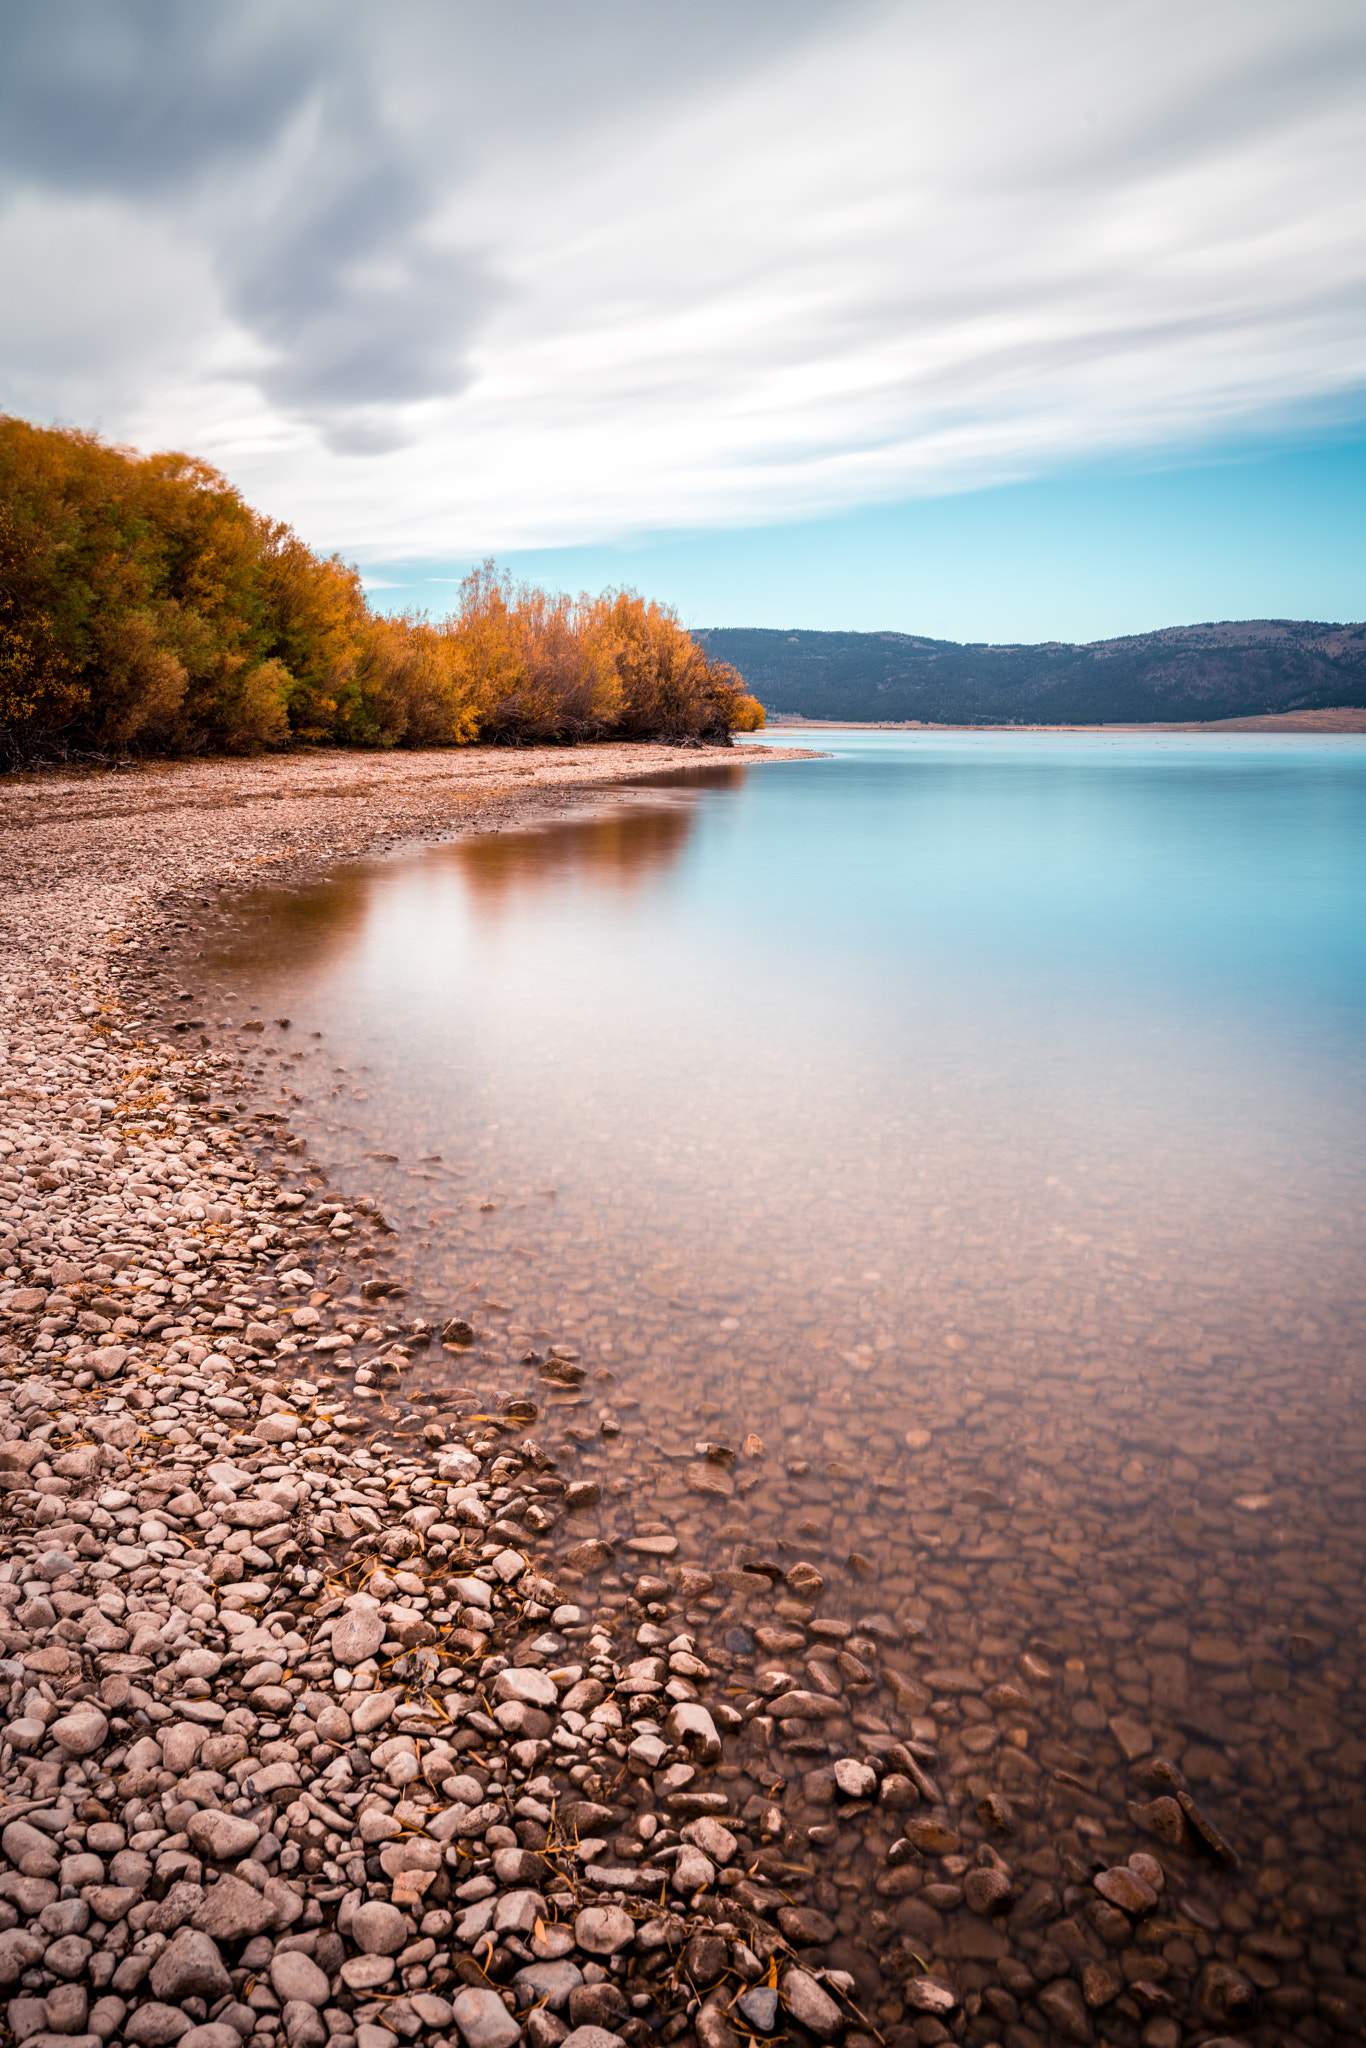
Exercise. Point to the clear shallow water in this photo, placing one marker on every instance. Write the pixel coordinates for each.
(979, 1119)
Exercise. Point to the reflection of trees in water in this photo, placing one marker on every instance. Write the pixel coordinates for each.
(716, 775)
(622, 848)
(293, 928)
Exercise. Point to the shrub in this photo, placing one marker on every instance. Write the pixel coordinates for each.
(145, 605)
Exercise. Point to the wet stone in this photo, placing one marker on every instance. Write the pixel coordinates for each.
(1100, 1983)
(1124, 1888)
(929, 1995)
(758, 2006)
(805, 1927)
(932, 1838)
(1063, 2007)
(810, 2005)
(706, 1959)
(987, 1891)
(1224, 1996)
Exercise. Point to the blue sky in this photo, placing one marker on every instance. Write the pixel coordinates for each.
(953, 316)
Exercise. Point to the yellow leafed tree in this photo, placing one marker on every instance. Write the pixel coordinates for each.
(144, 604)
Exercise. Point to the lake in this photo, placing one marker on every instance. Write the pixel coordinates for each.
(978, 1121)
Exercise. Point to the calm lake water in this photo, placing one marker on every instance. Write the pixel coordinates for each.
(978, 1119)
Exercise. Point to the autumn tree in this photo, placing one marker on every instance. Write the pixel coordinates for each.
(144, 604)
(39, 691)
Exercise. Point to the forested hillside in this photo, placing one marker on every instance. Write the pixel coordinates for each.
(145, 606)
(1230, 670)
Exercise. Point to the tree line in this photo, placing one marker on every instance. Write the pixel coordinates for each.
(145, 607)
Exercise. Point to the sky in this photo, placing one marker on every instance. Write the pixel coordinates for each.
(956, 317)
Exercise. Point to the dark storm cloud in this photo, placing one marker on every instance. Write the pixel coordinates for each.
(135, 98)
(362, 313)
(306, 148)
(317, 248)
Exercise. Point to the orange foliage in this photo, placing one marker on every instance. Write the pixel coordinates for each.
(542, 666)
(143, 602)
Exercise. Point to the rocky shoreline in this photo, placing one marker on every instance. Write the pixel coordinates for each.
(321, 1725)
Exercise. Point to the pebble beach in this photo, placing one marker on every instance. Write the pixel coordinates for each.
(323, 1725)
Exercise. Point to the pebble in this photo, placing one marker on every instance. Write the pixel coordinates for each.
(223, 1836)
(1125, 1888)
(1062, 2005)
(551, 1982)
(295, 1976)
(154, 2025)
(758, 2004)
(855, 1780)
(356, 1636)
(1083, 1812)
(604, 1930)
(930, 1995)
(811, 2006)
(484, 2021)
(378, 1929)
(190, 1968)
(81, 1733)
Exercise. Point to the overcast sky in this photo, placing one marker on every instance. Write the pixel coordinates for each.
(608, 284)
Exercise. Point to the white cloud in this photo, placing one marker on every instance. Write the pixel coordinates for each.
(498, 280)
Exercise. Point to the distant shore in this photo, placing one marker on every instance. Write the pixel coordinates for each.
(1341, 718)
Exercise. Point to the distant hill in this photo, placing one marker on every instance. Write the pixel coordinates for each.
(1235, 669)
